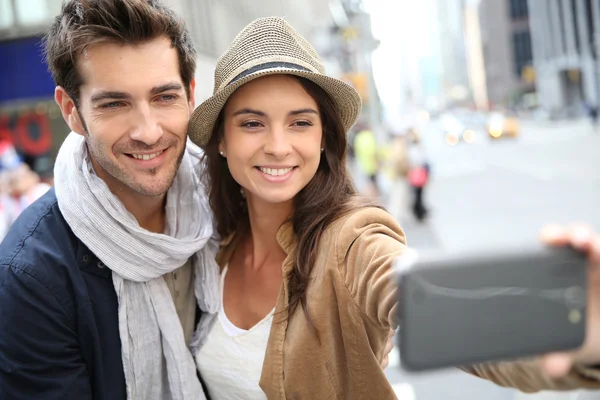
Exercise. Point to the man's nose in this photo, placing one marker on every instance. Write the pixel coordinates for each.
(147, 129)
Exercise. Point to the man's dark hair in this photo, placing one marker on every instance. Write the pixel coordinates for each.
(83, 23)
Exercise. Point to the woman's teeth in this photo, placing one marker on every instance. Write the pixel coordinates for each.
(275, 172)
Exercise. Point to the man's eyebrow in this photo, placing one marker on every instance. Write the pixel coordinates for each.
(249, 111)
(107, 94)
(114, 95)
(166, 87)
(304, 111)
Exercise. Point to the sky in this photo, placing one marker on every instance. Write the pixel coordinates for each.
(401, 27)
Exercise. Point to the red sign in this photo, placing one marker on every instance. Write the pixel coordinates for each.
(29, 132)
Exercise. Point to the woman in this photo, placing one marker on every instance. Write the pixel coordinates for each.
(418, 174)
(308, 303)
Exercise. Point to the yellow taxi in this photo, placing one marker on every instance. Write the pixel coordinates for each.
(501, 125)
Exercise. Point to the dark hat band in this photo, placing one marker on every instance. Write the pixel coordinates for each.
(269, 65)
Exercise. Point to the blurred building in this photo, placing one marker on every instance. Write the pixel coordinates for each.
(29, 117)
(214, 24)
(498, 39)
(354, 47)
(339, 29)
(443, 80)
(453, 57)
(430, 53)
(566, 47)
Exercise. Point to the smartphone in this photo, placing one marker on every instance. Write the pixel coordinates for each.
(464, 308)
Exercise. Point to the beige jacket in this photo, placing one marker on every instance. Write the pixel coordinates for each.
(352, 303)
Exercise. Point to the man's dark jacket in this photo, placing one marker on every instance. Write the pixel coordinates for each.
(59, 328)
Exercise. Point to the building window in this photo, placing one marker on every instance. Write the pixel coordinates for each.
(522, 51)
(6, 14)
(576, 22)
(518, 9)
(562, 26)
(591, 27)
(202, 27)
(33, 12)
(27, 14)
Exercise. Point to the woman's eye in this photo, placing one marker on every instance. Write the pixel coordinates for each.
(251, 124)
(303, 123)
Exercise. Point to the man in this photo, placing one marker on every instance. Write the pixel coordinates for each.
(104, 279)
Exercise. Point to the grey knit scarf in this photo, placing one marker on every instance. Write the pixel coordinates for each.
(156, 360)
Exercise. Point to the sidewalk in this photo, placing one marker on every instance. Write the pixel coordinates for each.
(555, 131)
(548, 396)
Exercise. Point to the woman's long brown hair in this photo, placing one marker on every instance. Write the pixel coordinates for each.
(328, 196)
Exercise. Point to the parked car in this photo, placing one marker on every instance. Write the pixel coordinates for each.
(460, 128)
(500, 125)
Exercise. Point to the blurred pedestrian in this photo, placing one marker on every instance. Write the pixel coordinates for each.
(366, 151)
(418, 174)
(9, 158)
(398, 165)
(592, 112)
(594, 117)
(23, 188)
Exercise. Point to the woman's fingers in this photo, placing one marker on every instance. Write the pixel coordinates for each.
(556, 365)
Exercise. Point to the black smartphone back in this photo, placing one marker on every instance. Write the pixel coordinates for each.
(462, 309)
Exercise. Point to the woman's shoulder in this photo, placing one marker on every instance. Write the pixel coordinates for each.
(363, 216)
(364, 245)
(362, 222)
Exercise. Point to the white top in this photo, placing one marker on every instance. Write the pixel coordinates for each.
(231, 360)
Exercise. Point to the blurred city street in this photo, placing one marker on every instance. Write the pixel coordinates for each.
(548, 174)
(496, 96)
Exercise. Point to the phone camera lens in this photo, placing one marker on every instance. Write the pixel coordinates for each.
(575, 297)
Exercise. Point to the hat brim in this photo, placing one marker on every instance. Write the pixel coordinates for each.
(204, 117)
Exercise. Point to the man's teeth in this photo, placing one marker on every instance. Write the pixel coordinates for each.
(275, 172)
(146, 157)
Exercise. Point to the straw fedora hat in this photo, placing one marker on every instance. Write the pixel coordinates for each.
(268, 46)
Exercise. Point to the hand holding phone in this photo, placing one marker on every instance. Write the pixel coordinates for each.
(583, 238)
(466, 308)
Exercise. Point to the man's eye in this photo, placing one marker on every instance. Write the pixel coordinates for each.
(113, 104)
(167, 98)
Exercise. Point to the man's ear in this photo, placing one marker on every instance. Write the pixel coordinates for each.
(192, 100)
(69, 110)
